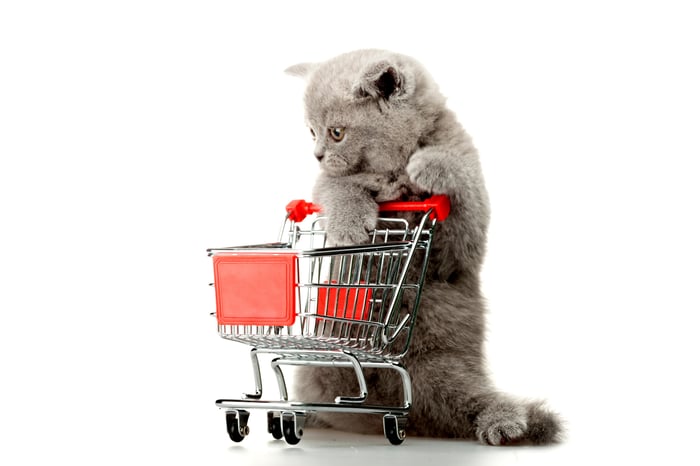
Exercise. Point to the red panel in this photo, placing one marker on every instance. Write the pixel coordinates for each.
(255, 288)
(344, 302)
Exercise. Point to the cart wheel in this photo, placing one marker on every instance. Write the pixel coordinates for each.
(274, 424)
(292, 424)
(395, 428)
(237, 424)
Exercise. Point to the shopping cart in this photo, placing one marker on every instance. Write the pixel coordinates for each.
(312, 305)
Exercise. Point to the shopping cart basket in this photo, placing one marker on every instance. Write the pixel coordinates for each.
(312, 305)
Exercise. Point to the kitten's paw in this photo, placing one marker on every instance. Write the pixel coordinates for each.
(502, 432)
(349, 229)
(501, 424)
(543, 426)
(346, 237)
(430, 170)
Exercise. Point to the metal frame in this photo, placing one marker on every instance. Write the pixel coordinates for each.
(382, 281)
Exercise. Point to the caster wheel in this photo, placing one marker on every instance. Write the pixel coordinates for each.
(274, 424)
(292, 427)
(395, 429)
(237, 425)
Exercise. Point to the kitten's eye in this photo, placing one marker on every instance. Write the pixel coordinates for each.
(337, 134)
(313, 133)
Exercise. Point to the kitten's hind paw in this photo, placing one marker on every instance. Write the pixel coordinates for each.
(543, 426)
(507, 422)
(502, 432)
(501, 423)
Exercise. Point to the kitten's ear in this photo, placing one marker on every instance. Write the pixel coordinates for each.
(380, 80)
(301, 70)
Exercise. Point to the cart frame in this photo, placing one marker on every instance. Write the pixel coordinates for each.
(380, 283)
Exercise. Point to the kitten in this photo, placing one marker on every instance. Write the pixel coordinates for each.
(382, 131)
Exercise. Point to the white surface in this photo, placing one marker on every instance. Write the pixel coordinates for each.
(134, 135)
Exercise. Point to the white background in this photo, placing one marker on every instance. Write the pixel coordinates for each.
(136, 134)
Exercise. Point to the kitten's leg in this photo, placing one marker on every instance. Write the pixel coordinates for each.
(447, 170)
(443, 407)
(453, 396)
(459, 243)
(450, 401)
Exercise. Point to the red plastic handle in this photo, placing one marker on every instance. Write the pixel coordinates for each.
(299, 209)
(440, 203)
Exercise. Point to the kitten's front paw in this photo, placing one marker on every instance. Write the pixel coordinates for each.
(429, 170)
(345, 237)
(350, 229)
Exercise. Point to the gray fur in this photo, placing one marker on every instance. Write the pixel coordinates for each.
(401, 141)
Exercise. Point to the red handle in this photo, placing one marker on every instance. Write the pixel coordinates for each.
(299, 209)
(440, 203)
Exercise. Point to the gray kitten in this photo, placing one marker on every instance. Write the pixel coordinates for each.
(382, 131)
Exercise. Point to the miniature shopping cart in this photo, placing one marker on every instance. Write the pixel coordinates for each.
(312, 305)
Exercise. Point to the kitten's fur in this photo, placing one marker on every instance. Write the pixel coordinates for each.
(401, 141)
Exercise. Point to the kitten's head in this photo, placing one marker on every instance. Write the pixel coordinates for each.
(367, 110)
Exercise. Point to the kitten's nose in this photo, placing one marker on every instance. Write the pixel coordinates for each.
(318, 156)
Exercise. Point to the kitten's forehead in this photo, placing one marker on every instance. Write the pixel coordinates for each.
(329, 108)
(330, 90)
(330, 102)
